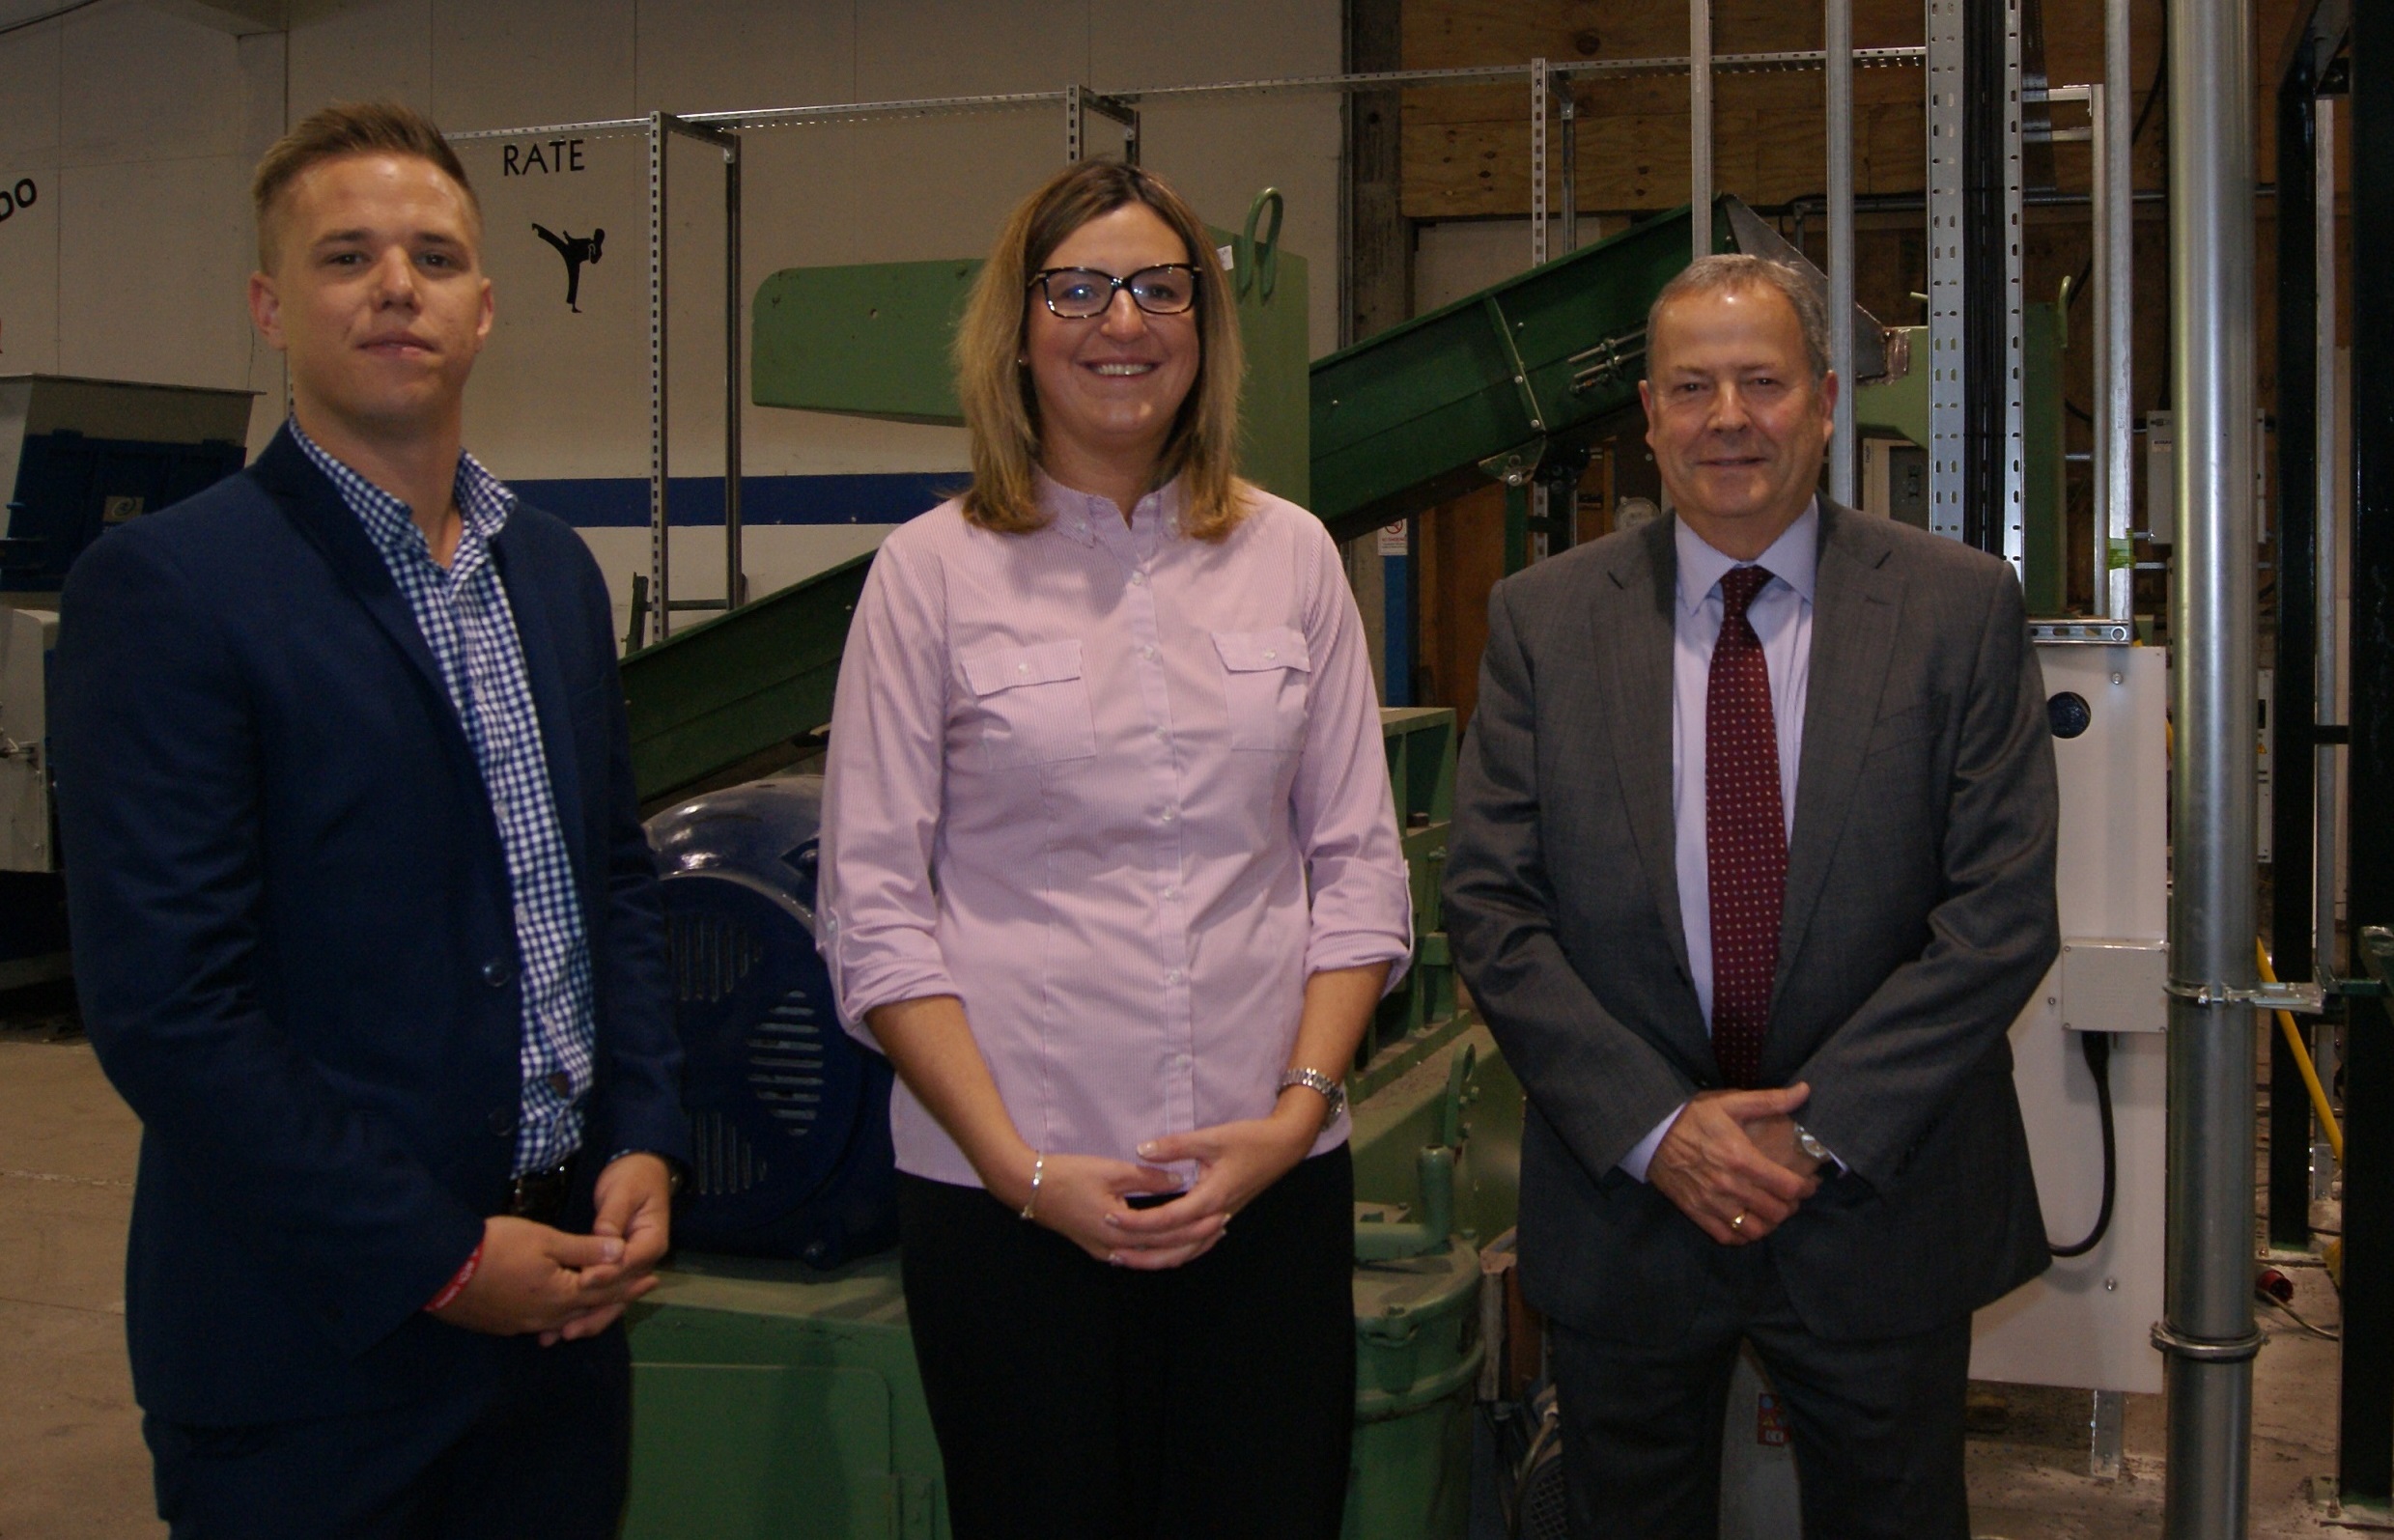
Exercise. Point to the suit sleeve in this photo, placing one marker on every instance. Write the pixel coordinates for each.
(1601, 1086)
(641, 1052)
(1890, 1069)
(160, 786)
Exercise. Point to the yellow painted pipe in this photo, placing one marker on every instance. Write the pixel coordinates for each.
(2302, 1061)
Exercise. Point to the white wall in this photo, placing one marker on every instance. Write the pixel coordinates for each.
(140, 129)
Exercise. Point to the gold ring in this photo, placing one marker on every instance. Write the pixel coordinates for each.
(1739, 1222)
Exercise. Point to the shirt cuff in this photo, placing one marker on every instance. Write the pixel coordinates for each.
(1642, 1153)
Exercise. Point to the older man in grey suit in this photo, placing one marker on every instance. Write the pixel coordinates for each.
(1752, 869)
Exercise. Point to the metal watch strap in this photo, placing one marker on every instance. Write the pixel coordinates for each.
(1810, 1146)
(1331, 1091)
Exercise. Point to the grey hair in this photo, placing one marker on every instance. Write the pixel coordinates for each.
(1730, 270)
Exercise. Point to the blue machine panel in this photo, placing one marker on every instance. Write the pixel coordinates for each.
(789, 1115)
(71, 489)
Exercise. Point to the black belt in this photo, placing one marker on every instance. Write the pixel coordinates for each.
(540, 1195)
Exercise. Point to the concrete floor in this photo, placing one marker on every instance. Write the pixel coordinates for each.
(72, 1464)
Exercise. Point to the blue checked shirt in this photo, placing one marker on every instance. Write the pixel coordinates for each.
(463, 611)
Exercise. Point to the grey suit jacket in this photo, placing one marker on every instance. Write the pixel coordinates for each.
(1919, 916)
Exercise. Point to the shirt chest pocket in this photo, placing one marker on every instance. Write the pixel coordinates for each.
(1267, 676)
(1034, 704)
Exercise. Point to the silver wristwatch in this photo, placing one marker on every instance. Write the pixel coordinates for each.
(1810, 1146)
(1329, 1090)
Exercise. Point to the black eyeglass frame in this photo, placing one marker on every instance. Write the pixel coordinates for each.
(1039, 281)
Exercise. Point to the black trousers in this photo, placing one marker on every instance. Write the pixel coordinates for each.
(1074, 1398)
(1876, 1425)
(544, 1454)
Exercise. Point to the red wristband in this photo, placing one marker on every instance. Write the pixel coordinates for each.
(457, 1283)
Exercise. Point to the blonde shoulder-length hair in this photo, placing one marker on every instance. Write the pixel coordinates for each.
(1001, 409)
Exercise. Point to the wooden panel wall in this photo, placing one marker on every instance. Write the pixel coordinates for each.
(1467, 146)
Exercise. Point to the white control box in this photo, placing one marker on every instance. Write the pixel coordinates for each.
(2087, 1322)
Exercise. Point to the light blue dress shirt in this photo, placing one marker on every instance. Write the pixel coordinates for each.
(1781, 615)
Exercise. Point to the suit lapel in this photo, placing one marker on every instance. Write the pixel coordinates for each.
(1856, 602)
(545, 671)
(1637, 648)
(315, 507)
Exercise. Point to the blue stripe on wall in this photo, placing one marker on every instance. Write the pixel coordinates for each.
(621, 502)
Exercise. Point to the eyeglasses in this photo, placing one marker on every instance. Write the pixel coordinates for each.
(1082, 294)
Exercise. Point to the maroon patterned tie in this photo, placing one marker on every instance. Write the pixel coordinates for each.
(1745, 835)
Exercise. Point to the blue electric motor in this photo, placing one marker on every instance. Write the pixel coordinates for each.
(789, 1115)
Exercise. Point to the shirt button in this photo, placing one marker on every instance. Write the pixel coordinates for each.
(1172, 892)
(496, 972)
(1180, 1061)
(560, 1082)
(1148, 653)
(1174, 976)
(1155, 732)
(1168, 815)
(1138, 578)
(1269, 655)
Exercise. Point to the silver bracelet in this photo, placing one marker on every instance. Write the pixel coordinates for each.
(1038, 1171)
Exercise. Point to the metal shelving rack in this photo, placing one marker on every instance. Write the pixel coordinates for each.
(722, 130)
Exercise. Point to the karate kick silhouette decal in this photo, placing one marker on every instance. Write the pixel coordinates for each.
(575, 250)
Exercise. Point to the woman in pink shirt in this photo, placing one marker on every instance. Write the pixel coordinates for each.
(1111, 875)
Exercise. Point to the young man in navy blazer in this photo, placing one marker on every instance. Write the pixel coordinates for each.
(365, 926)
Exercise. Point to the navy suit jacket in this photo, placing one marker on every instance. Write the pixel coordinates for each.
(294, 935)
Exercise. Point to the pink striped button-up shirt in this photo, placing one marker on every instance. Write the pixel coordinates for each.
(1121, 792)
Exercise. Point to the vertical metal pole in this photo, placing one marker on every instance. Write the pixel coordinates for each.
(1569, 111)
(735, 577)
(1075, 124)
(2328, 538)
(2119, 288)
(2365, 1439)
(1699, 124)
(2103, 235)
(1130, 138)
(660, 557)
(2011, 471)
(1540, 107)
(2208, 1338)
(2329, 532)
(2293, 708)
(1945, 267)
(1838, 46)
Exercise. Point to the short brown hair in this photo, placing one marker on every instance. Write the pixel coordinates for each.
(1736, 270)
(1001, 409)
(348, 128)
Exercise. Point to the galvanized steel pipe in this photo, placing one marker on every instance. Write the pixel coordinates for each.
(2208, 1336)
(1699, 124)
(1837, 36)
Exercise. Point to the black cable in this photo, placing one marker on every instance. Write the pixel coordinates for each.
(2097, 1046)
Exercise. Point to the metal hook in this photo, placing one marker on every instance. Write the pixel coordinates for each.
(1259, 264)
